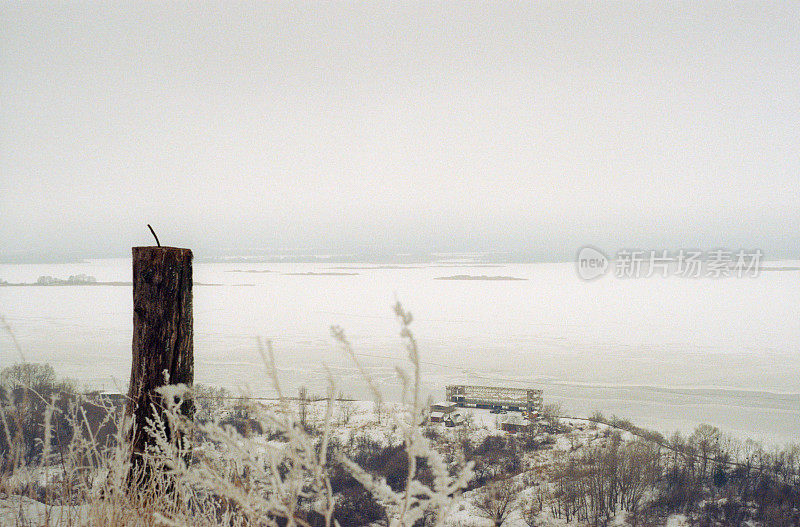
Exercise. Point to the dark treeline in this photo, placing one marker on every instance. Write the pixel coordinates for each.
(41, 411)
(712, 479)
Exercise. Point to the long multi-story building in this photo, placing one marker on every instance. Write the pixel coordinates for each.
(522, 399)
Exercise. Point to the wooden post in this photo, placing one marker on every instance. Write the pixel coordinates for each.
(162, 335)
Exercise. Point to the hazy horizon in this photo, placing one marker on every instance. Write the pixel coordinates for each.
(398, 128)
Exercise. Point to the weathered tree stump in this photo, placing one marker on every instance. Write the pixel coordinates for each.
(162, 337)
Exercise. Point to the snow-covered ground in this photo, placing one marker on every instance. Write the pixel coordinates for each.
(351, 420)
(22, 511)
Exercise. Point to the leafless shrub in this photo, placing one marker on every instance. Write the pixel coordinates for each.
(496, 501)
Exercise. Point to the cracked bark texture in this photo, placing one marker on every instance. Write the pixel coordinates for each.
(162, 334)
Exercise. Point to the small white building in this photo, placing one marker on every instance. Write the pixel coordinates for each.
(514, 423)
(445, 407)
(437, 417)
(453, 419)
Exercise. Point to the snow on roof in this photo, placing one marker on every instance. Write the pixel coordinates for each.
(514, 419)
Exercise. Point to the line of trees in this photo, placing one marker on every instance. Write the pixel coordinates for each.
(693, 476)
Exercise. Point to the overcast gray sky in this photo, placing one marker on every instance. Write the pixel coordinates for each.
(534, 128)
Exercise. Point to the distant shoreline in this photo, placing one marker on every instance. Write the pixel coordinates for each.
(90, 284)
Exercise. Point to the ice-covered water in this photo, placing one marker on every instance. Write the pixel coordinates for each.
(667, 353)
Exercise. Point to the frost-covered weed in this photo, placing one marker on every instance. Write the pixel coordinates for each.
(204, 472)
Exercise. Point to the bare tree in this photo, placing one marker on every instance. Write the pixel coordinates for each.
(302, 400)
(534, 505)
(496, 501)
(551, 412)
(346, 410)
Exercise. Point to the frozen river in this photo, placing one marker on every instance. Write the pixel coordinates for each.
(668, 353)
